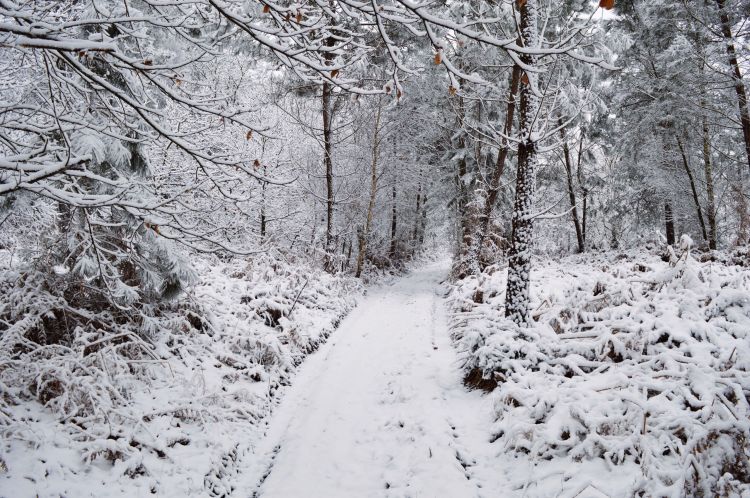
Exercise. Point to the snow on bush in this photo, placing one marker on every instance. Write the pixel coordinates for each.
(163, 399)
(641, 364)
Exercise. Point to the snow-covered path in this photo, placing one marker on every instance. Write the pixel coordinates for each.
(380, 410)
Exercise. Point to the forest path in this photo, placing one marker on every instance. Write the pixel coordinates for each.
(380, 410)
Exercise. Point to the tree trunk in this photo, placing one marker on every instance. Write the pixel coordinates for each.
(423, 224)
(417, 214)
(571, 190)
(743, 215)
(393, 224)
(669, 222)
(739, 85)
(584, 190)
(696, 199)
(494, 187)
(327, 151)
(463, 190)
(263, 207)
(365, 234)
(519, 261)
(708, 170)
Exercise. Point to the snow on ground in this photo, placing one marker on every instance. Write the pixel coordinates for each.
(120, 412)
(381, 409)
(633, 379)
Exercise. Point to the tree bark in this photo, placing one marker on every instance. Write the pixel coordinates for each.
(423, 224)
(571, 190)
(263, 186)
(327, 152)
(739, 85)
(519, 261)
(417, 214)
(669, 222)
(463, 191)
(696, 199)
(708, 171)
(393, 224)
(263, 209)
(743, 215)
(584, 190)
(494, 187)
(328, 160)
(365, 234)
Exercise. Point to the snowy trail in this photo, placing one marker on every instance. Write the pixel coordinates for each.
(380, 410)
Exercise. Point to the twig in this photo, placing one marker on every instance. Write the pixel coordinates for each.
(297, 296)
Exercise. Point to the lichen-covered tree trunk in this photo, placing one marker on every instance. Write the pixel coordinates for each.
(519, 262)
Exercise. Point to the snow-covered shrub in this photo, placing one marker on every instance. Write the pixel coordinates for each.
(168, 395)
(630, 360)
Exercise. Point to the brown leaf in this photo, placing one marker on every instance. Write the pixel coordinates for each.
(525, 79)
(607, 4)
(266, 9)
(521, 3)
(288, 16)
(249, 135)
(398, 93)
(256, 164)
(438, 58)
(148, 62)
(334, 73)
(452, 90)
(299, 17)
